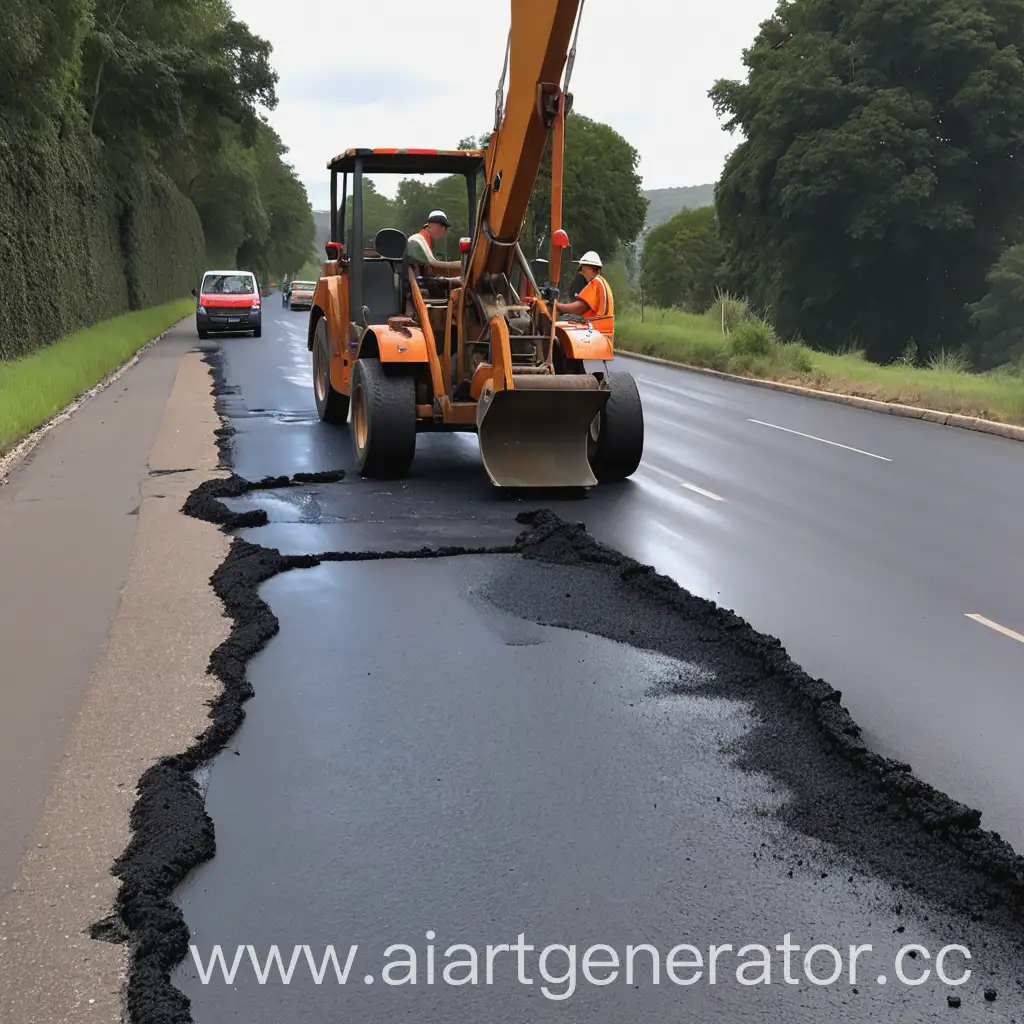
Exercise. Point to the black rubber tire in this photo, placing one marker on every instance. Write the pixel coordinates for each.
(616, 452)
(258, 333)
(203, 335)
(383, 420)
(332, 407)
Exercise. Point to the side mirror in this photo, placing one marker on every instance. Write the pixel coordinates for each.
(193, 293)
(333, 250)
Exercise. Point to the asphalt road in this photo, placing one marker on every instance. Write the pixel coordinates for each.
(477, 777)
(460, 750)
(862, 541)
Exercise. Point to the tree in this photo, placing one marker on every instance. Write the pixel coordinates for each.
(681, 260)
(152, 70)
(131, 139)
(290, 230)
(39, 56)
(999, 316)
(479, 142)
(603, 207)
(881, 172)
(378, 212)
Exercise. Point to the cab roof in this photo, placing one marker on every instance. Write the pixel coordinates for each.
(409, 161)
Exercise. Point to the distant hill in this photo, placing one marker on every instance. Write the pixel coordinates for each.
(665, 203)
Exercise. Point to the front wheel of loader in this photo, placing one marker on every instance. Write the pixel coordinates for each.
(331, 405)
(383, 420)
(616, 442)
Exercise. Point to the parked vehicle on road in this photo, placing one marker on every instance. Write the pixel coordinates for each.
(300, 294)
(229, 301)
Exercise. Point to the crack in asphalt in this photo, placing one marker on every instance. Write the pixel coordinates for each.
(172, 833)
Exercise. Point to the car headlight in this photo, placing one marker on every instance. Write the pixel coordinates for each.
(200, 309)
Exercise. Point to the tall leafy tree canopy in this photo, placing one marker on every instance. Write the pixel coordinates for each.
(881, 170)
(173, 88)
(999, 316)
(681, 260)
(603, 207)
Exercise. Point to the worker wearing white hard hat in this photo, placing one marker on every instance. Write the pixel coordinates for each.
(594, 303)
(421, 244)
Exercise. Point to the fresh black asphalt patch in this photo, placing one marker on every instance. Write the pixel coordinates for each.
(862, 807)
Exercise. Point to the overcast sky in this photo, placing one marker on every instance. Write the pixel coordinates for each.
(642, 66)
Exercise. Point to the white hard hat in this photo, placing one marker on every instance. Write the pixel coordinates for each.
(438, 217)
(590, 259)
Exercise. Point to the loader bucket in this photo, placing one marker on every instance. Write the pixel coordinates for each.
(535, 435)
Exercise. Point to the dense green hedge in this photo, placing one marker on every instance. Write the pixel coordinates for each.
(161, 239)
(81, 241)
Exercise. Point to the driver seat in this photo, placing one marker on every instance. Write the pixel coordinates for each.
(384, 278)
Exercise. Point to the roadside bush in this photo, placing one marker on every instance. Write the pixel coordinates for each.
(908, 357)
(728, 312)
(795, 357)
(946, 361)
(753, 338)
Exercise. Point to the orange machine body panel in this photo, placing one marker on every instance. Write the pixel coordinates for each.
(331, 302)
(408, 346)
(583, 341)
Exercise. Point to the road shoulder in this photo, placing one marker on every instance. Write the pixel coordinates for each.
(948, 419)
(146, 697)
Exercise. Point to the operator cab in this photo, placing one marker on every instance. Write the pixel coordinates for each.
(378, 269)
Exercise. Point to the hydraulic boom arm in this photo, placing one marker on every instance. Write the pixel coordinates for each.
(539, 39)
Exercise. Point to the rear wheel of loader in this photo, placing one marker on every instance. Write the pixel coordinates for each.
(383, 420)
(331, 405)
(616, 442)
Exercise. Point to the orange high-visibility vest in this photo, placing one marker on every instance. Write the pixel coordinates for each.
(598, 296)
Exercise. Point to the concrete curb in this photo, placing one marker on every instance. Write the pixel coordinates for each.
(12, 459)
(948, 419)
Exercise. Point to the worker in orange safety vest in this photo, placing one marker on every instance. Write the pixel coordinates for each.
(595, 303)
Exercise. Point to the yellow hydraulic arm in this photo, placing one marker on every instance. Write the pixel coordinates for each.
(534, 425)
(538, 47)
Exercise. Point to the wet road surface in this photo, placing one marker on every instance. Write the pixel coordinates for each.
(866, 569)
(479, 746)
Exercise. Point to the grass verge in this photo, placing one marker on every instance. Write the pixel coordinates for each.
(36, 387)
(751, 350)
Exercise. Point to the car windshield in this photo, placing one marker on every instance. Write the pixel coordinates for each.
(228, 284)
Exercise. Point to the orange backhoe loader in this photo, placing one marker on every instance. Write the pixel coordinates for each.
(474, 344)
